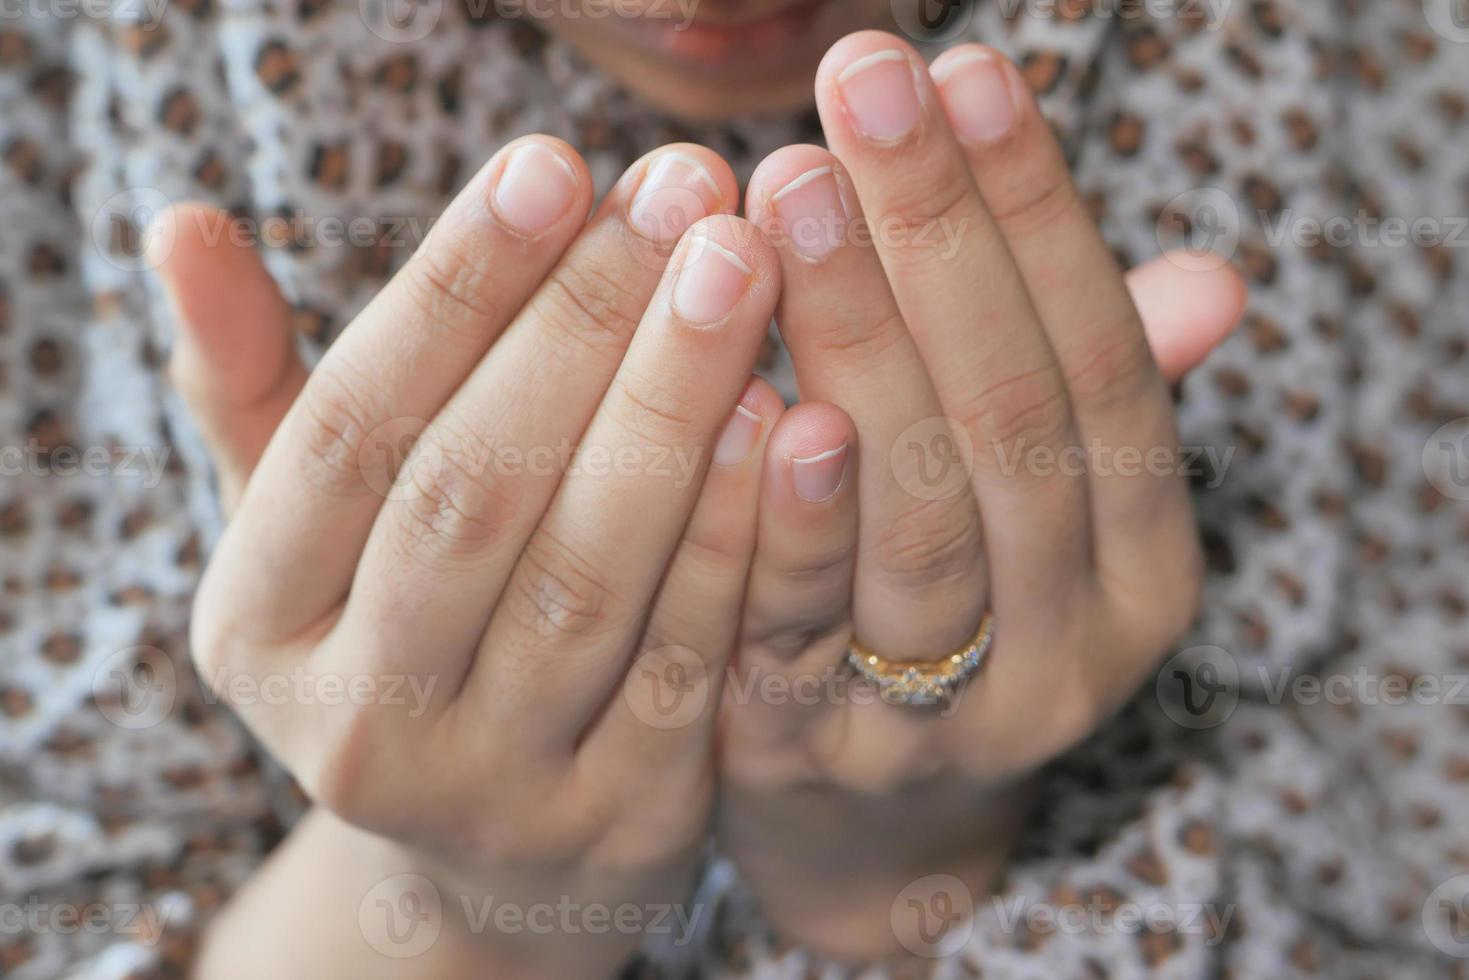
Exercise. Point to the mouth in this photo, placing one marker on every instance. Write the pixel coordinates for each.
(687, 31)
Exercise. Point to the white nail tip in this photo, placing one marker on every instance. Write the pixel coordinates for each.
(742, 410)
(665, 160)
(862, 64)
(820, 457)
(801, 181)
(535, 149)
(942, 72)
(702, 243)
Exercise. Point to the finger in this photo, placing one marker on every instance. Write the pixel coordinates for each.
(920, 587)
(661, 723)
(322, 479)
(233, 360)
(488, 464)
(577, 601)
(800, 588)
(967, 307)
(1186, 313)
(1120, 398)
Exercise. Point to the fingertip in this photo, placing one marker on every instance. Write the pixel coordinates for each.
(760, 398)
(669, 189)
(812, 427)
(955, 58)
(192, 238)
(735, 233)
(853, 48)
(1187, 311)
(778, 171)
(810, 454)
(742, 240)
(713, 166)
(215, 280)
(536, 185)
(749, 424)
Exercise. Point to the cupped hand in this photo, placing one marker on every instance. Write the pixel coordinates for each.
(990, 432)
(534, 456)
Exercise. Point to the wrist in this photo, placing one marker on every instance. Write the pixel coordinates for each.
(340, 902)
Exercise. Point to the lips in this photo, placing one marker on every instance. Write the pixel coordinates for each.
(720, 36)
(737, 16)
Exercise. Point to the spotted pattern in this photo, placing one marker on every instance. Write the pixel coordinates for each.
(1300, 838)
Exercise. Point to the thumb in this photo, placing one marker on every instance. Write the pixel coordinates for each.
(1186, 312)
(234, 361)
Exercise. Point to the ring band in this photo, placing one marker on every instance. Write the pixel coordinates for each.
(923, 682)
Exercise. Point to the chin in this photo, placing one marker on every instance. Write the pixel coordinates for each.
(722, 60)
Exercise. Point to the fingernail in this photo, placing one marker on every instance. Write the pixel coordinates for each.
(710, 282)
(535, 189)
(977, 95)
(676, 192)
(819, 477)
(740, 434)
(880, 95)
(812, 213)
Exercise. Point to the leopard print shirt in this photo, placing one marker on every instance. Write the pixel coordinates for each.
(1286, 801)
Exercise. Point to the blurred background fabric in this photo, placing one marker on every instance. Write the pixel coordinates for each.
(1313, 830)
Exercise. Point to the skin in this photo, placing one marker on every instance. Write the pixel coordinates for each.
(537, 779)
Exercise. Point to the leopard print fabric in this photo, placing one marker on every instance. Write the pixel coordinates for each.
(1263, 831)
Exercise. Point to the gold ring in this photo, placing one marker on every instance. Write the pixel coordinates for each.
(923, 682)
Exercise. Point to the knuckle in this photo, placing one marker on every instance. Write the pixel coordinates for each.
(819, 564)
(587, 304)
(526, 835)
(559, 596)
(659, 836)
(1115, 370)
(713, 556)
(455, 508)
(339, 772)
(1035, 201)
(447, 290)
(803, 598)
(1158, 605)
(213, 645)
(919, 204)
(935, 542)
(854, 332)
(1022, 411)
(336, 420)
(652, 414)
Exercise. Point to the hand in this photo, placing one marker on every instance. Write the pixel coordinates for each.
(474, 602)
(984, 335)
